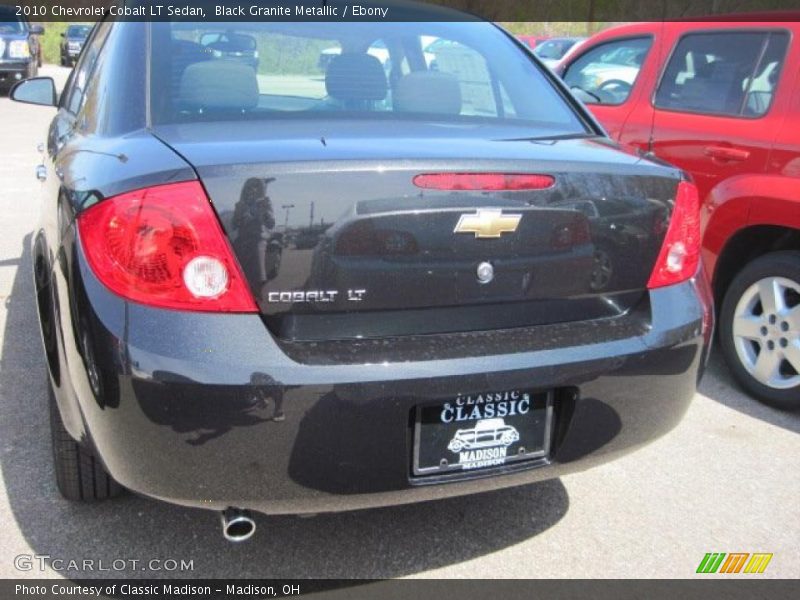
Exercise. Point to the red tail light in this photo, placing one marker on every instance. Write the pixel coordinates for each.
(680, 252)
(483, 182)
(163, 246)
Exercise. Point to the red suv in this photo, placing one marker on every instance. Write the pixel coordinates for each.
(722, 101)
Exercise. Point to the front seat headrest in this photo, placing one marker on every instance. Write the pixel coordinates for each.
(219, 84)
(428, 92)
(356, 77)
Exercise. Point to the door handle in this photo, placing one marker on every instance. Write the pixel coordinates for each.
(726, 153)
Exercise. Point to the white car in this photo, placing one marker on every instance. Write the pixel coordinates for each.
(486, 433)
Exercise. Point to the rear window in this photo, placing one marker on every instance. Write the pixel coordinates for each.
(252, 71)
(724, 73)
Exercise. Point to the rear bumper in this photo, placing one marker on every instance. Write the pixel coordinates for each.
(185, 405)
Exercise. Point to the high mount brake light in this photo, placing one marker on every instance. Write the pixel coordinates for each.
(680, 251)
(483, 182)
(163, 246)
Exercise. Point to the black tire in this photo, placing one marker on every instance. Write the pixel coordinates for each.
(79, 475)
(784, 264)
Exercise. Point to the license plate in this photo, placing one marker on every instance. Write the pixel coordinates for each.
(481, 431)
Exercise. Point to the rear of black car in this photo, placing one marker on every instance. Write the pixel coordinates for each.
(407, 274)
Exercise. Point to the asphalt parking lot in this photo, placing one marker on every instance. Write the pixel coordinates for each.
(727, 479)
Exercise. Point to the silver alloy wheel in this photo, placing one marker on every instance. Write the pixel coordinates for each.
(766, 332)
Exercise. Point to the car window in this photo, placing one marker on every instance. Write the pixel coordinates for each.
(76, 88)
(761, 87)
(607, 72)
(723, 73)
(453, 71)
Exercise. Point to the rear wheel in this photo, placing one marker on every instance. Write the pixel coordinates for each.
(79, 475)
(760, 329)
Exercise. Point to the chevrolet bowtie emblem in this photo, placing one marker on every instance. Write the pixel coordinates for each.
(487, 223)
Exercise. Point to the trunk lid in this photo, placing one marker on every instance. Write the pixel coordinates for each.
(337, 242)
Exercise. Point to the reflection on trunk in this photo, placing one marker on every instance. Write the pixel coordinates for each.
(348, 247)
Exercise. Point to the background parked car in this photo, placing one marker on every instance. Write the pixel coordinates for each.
(72, 41)
(231, 46)
(378, 50)
(721, 100)
(551, 51)
(531, 41)
(20, 52)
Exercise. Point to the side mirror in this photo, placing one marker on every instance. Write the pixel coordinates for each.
(37, 30)
(38, 90)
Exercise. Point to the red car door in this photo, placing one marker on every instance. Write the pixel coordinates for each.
(779, 200)
(712, 105)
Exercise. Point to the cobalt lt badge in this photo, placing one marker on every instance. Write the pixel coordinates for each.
(485, 272)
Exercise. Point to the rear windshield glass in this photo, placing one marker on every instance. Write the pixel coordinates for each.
(254, 71)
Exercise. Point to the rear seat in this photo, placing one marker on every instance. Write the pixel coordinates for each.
(427, 92)
(218, 86)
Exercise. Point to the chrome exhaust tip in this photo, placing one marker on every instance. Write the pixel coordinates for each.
(237, 524)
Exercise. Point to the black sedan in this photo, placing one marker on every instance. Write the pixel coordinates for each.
(200, 354)
(72, 41)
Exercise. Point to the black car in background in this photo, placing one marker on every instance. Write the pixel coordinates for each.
(20, 51)
(447, 282)
(72, 41)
